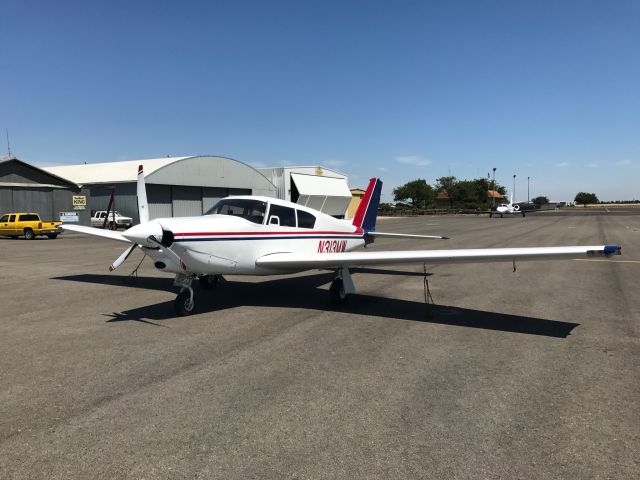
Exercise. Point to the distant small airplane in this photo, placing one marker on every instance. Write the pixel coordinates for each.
(250, 235)
(508, 208)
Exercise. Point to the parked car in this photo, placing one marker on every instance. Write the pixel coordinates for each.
(28, 225)
(98, 219)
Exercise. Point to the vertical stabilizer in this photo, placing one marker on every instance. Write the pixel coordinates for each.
(367, 211)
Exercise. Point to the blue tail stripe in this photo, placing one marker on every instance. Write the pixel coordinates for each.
(370, 216)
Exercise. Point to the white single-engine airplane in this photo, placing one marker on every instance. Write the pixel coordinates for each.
(250, 235)
(509, 208)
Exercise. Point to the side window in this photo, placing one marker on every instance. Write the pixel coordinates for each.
(12, 218)
(305, 219)
(287, 215)
(28, 218)
(4, 219)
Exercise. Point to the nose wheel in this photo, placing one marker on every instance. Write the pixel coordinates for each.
(184, 303)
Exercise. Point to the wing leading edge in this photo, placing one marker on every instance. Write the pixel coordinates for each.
(288, 261)
(96, 232)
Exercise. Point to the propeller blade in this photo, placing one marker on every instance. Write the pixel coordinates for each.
(120, 260)
(170, 252)
(143, 206)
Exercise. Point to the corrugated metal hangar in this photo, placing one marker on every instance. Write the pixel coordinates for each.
(26, 188)
(176, 186)
(185, 186)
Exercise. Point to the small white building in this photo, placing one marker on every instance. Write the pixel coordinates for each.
(316, 187)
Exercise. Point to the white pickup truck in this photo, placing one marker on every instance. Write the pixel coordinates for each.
(97, 220)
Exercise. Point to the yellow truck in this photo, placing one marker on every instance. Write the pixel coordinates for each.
(28, 225)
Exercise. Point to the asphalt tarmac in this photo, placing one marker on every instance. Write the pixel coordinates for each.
(532, 374)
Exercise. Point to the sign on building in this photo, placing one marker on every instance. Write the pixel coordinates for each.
(79, 202)
(69, 217)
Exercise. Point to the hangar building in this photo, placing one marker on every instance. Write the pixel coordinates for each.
(26, 188)
(176, 186)
(319, 188)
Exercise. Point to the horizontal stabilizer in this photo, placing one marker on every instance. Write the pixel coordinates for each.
(297, 261)
(406, 235)
(96, 232)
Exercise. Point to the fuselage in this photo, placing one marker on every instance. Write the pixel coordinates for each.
(230, 242)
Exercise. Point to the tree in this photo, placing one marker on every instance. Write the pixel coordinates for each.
(540, 201)
(418, 192)
(583, 198)
(447, 185)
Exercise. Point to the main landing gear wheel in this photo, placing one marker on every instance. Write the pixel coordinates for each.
(208, 282)
(184, 304)
(337, 292)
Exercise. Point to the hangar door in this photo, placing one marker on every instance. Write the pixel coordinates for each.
(330, 195)
(187, 201)
(33, 199)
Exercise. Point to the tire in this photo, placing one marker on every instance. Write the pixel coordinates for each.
(183, 304)
(208, 282)
(336, 292)
(52, 235)
(28, 234)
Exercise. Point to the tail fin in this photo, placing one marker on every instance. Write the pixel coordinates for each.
(367, 211)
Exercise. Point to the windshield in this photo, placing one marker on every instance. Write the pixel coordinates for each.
(252, 210)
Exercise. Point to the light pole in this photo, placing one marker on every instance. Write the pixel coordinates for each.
(493, 192)
(513, 199)
(528, 189)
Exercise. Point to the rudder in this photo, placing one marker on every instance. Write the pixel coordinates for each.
(367, 211)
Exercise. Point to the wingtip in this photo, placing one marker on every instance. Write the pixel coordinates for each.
(613, 249)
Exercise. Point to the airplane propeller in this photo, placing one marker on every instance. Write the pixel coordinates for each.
(145, 231)
(120, 260)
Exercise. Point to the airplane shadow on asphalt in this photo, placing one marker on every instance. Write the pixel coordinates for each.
(304, 292)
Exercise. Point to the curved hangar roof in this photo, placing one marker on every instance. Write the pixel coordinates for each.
(199, 171)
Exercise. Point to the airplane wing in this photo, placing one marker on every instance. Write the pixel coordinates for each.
(405, 235)
(97, 232)
(291, 261)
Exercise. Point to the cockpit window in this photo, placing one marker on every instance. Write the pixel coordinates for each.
(252, 210)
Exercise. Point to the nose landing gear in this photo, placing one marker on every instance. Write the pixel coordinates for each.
(184, 303)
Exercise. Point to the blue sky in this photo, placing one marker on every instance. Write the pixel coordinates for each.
(400, 90)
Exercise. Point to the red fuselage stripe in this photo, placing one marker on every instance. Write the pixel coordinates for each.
(244, 234)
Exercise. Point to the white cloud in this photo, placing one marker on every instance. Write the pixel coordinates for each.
(593, 165)
(623, 163)
(258, 164)
(561, 164)
(417, 160)
(334, 163)
(286, 163)
(382, 169)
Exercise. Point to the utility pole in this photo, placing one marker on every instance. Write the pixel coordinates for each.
(493, 195)
(8, 145)
(528, 189)
(514, 187)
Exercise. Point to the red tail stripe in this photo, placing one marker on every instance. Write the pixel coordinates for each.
(364, 204)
